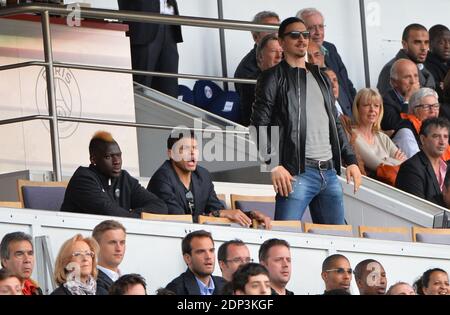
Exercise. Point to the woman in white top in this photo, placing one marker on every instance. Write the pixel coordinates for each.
(374, 146)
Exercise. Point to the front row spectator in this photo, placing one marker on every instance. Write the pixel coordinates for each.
(423, 174)
(401, 288)
(275, 255)
(9, 283)
(423, 104)
(130, 284)
(251, 279)
(104, 188)
(433, 282)
(231, 255)
(374, 146)
(17, 257)
(370, 277)
(111, 237)
(187, 188)
(336, 273)
(76, 267)
(199, 256)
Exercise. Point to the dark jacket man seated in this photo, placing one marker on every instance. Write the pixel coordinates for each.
(198, 254)
(423, 174)
(187, 188)
(104, 188)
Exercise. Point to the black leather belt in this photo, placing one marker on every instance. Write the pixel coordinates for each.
(320, 165)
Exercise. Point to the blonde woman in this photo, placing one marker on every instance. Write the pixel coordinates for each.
(374, 146)
(76, 267)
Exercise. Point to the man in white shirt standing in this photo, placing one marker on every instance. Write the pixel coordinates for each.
(111, 237)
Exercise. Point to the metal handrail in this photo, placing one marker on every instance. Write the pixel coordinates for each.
(46, 9)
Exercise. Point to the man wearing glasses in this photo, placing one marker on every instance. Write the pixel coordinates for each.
(187, 188)
(336, 273)
(314, 22)
(423, 174)
(231, 255)
(295, 97)
(17, 256)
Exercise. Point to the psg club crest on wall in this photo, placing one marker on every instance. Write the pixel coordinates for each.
(68, 99)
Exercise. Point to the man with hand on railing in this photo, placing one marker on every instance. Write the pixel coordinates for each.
(104, 188)
(188, 189)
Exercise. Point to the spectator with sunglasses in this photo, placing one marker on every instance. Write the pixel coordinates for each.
(187, 188)
(314, 22)
(336, 273)
(76, 267)
(295, 97)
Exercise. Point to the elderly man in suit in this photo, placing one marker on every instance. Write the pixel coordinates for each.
(154, 46)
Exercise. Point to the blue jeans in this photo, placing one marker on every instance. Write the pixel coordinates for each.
(320, 190)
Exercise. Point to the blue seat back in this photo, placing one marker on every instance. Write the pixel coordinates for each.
(185, 94)
(227, 105)
(205, 92)
(43, 198)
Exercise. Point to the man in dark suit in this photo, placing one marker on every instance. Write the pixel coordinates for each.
(423, 174)
(404, 80)
(198, 254)
(187, 188)
(111, 238)
(314, 22)
(154, 46)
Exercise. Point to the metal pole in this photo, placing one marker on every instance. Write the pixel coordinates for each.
(223, 53)
(49, 76)
(362, 12)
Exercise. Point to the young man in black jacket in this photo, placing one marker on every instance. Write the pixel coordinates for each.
(187, 188)
(296, 97)
(104, 188)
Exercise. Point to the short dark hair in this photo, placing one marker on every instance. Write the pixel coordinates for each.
(263, 43)
(418, 287)
(267, 245)
(104, 226)
(164, 291)
(330, 260)
(186, 247)
(435, 122)
(120, 287)
(222, 253)
(6, 274)
(361, 267)
(240, 277)
(425, 279)
(412, 27)
(178, 134)
(13, 237)
(100, 141)
(286, 23)
(436, 31)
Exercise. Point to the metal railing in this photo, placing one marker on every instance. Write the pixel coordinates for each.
(130, 16)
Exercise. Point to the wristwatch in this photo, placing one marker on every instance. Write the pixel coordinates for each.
(216, 213)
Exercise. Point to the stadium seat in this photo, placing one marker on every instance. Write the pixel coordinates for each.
(265, 204)
(430, 235)
(205, 219)
(167, 217)
(282, 225)
(10, 204)
(223, 200)
(41, 195)
(185, 94)
(226, 105)
(402, 234)
(205, 92)
(329, 229)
